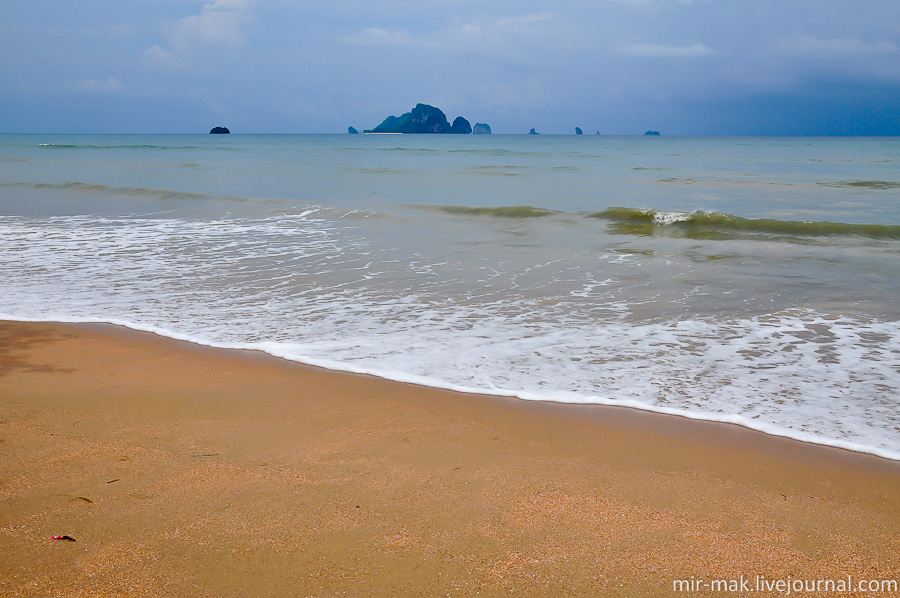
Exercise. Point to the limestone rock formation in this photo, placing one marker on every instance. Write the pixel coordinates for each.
(421, 119)
(460, 126)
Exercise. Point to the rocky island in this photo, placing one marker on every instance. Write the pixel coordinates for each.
(219, 131)
(424, 119)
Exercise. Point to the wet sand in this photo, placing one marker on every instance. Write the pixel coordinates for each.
(181, 470)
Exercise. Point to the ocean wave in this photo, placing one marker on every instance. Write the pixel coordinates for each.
(500, 212)
(382, 170)
(706, 181)
(879, 185)
(729, 182)
(498, 152)
(876, 185)
(101, 188)
(714, 224)
(136, 146)
(415, 150)
(498, 170)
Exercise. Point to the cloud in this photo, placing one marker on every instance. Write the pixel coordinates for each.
(801, 63)
(523, 24)
(814, 46)
(470, 36)
(661, 51)
(652, 2)
(219, 23)
(525, 94)
(159, 58)
(376, 37)
(110, 86)
(840, 58)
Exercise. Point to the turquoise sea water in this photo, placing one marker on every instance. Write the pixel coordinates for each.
(748, 280)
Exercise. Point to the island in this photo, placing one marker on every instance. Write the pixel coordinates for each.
(460, 126)
(481, 129)
(219, 131)
(533, 132)
(423, 119)
(352, 130)
(578, 131)
(652, 133)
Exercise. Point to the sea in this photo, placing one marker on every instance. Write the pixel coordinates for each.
(746, 280)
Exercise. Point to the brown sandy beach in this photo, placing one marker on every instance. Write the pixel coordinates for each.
(187, 471)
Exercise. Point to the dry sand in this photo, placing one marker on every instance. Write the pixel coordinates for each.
(187, 471)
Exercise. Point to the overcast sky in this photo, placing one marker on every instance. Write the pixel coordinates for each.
(705, 67)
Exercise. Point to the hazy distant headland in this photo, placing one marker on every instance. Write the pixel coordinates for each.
(427, 119)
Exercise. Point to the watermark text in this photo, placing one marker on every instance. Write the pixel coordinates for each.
(788, 586)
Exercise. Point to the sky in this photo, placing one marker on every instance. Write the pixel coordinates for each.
(682, 67)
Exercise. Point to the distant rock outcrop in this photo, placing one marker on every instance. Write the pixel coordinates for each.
(421, 119)
(578, 131)
(481, 129)
(533, 132)
(219, 131)
(427, 119)
(352, 131)
(460, 126)
(652, 133)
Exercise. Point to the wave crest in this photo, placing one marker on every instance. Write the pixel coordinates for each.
(499, 212)
(712, 224)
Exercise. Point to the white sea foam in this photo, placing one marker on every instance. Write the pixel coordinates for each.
(666, 218)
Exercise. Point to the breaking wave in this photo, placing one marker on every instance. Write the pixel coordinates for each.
(709, 224)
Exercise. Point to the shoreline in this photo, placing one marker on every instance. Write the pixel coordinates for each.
(182, 469)
(722, 433)
(727, 420)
